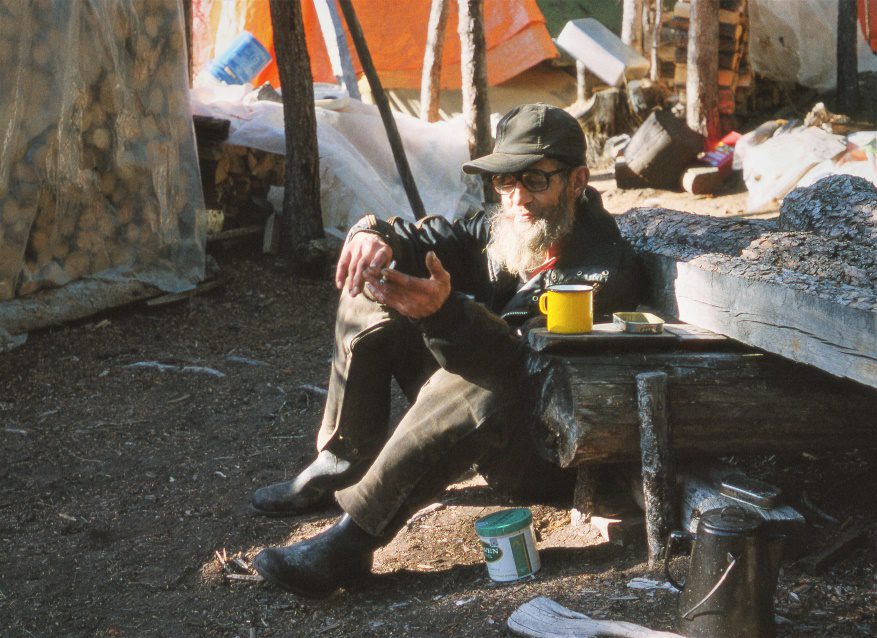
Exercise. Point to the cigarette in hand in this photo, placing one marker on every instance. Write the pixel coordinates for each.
(391, 266)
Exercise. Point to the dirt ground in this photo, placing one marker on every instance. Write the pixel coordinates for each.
(124, 489)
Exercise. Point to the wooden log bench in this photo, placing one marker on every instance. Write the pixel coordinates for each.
(720, 398)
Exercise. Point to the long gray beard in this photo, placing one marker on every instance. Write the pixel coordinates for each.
(522, 251)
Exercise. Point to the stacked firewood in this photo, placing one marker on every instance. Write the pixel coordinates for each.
(98, 166)
(735, 74)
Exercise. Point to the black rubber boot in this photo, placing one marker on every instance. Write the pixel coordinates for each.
(313, 488)
(315, 568)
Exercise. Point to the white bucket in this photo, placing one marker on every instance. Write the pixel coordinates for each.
(509, 544)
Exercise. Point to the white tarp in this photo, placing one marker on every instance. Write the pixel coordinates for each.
(358, 175)
(796, 41)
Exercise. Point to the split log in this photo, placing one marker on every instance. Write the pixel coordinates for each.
(808, 298)
(541, 617)
(719, 403)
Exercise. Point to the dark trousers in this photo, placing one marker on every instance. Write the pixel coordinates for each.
(451, 425)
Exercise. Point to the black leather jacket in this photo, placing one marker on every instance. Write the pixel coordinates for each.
(594, 252)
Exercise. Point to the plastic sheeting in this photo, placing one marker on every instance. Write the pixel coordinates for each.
(801, 156)
(797, 42)
(515, 35)
(98, 171)
(358, 175)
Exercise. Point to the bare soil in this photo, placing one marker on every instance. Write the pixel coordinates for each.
(124, 490)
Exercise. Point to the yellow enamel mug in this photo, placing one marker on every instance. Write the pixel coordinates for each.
(569, 308)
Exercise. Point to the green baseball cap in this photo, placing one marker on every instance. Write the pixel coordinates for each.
(529, 133)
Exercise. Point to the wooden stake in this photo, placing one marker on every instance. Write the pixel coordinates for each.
(655, 70)
(430, 83)
(336, 45)
(657, 461)
(632, 24)
(383, 105)
(473, 65)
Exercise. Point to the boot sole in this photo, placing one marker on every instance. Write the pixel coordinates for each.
(293, 512)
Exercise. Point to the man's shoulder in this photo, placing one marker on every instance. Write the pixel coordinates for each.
(591, 213)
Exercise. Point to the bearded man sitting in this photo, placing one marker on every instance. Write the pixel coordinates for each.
(446, 323)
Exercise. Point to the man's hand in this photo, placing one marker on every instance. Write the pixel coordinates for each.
(412, 297)
(364, 250)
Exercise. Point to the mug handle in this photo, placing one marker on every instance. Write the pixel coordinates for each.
(543, 303)
(674, 537)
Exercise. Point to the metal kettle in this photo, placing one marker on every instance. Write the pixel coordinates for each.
(732, 576)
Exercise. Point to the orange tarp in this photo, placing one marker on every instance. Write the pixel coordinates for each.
(515, 35)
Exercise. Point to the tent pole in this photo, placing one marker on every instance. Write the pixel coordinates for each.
(383, 105)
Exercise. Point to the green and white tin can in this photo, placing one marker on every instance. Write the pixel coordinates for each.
(509, 544)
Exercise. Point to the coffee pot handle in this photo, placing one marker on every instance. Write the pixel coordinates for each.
(675, 537)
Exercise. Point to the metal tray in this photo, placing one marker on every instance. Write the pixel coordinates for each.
(638, 322)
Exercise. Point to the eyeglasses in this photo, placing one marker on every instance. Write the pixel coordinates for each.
(533, 179)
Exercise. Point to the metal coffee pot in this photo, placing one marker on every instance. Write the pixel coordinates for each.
(732, 576)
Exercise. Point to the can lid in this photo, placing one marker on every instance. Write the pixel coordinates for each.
(503, 522)
(729, 520)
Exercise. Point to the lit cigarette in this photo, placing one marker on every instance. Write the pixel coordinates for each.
(383, 280)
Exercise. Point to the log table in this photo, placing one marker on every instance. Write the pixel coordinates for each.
(712, 397)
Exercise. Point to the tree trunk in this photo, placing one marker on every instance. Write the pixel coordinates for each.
(430, 84)
(473, 65)
(336, 45)
(847, 61)
(655, 70)
(302, 217)
(702, 81)
(632, 24)
(187, 17)
(383, 104)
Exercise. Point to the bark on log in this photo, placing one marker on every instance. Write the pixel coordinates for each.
(808, 298)
(302, 217)
(847, 56)
(701, 86)
(657, 461)
(383, 104)
(473, 65)
(719, 403)
(430, 83)
(838, 206)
